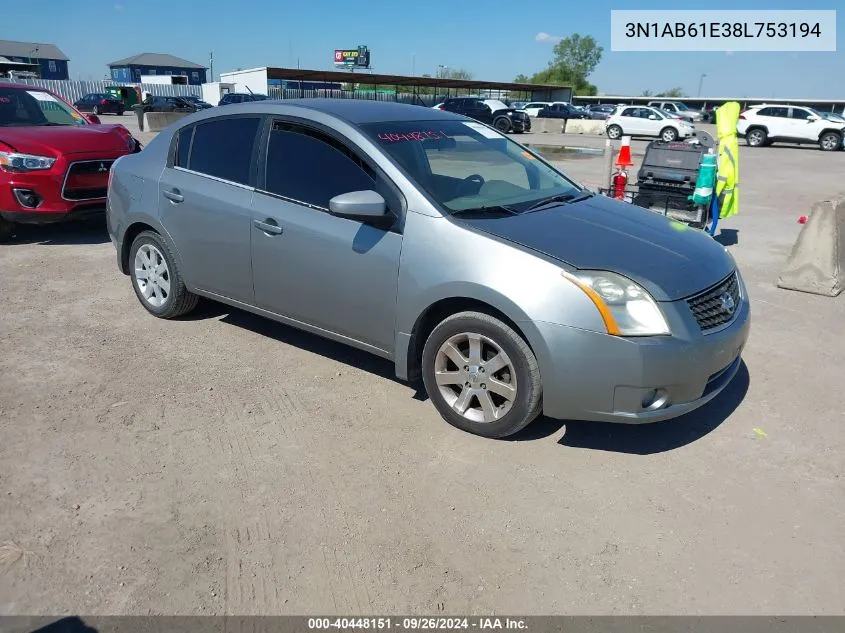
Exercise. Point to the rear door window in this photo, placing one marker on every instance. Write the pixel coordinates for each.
(775, 112)
(223, 148)
(299, 159)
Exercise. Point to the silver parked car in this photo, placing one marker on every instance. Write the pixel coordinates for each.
(432, 240)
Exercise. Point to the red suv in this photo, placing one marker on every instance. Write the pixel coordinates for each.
(54, 161)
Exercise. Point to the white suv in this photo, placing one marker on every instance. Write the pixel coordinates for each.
(768, 123)
(645, 121)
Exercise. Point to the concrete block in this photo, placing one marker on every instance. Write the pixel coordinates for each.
(586, 126)
(157, 121)
(553, 126)
(817, 262)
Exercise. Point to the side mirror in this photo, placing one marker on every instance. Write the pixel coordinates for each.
(93, 119)
(359, 205)
(652, 117)
(811, 119)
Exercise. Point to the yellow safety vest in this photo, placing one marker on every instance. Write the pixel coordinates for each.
(727, 188)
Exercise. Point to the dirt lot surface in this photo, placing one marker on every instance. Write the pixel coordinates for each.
(226, 464)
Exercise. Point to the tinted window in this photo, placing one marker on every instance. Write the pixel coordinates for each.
(183, 146)
(629, 112)
(223, 148)
(309, 166)
(778, 112)
(800, 113)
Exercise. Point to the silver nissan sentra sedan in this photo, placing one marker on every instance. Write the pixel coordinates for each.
(436, 242)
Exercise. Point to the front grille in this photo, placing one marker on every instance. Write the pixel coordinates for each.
(87, 180)
(716, 306)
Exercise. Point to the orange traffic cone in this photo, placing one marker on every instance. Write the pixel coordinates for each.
(624, 159)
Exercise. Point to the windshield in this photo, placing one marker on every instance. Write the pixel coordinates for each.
(466, 165)
(35, 107)
(681, 106)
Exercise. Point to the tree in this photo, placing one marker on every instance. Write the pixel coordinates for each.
(521, 79)
(575, 58)
(455, 73)
(673, 93)
(578, 54)
(646, 93)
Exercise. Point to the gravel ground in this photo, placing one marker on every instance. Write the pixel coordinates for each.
(224, 464)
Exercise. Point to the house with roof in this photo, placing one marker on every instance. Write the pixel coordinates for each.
(132, 68)
(45, 60)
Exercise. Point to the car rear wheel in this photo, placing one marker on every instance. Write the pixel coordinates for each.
(669, 134)
(756, 137)
(95, 110)
(830, 141)
(502, 124)
(614, 131)
(156, 279)
(481, 375)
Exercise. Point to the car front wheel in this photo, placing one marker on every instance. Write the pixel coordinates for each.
(830, 141)
(481, 375)
(156, 279)
(502, 124)
(669, 134)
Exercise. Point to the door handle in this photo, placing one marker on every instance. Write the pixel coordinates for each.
(173, 195)
(269, 226)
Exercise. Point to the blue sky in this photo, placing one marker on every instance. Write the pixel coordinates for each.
(495, 40)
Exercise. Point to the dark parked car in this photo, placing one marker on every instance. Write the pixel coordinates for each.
(562, 111)
(169, 104)
(202, 105)
(490, 111)
(601, 111)
(100, 103)
(241, 97)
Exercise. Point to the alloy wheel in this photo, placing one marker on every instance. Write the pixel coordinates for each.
(152, 275)
(475, 377)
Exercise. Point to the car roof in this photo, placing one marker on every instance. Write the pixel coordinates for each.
(360, 111)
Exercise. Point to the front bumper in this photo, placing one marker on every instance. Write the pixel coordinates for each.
(598, 377)
(521, 125)
(52, 189)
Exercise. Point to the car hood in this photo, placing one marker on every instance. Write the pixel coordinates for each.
(669, 259)
(69, 139)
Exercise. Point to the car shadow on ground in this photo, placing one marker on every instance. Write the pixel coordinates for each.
(290, 335)
(637, 439)
(87, 231)
(645, 439)
(727, 237)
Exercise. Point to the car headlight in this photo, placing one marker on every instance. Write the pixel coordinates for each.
(12, 161)
(626, 307)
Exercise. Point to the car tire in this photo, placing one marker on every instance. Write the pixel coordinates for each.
(614, 132)
(669, 134)
(95, 110)
(756, 137)
(830, 142)
(494, 412)
(163, 292)
(502, 124)
(7, 229)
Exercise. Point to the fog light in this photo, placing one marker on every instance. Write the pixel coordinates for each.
(27, 198)
(655, 399)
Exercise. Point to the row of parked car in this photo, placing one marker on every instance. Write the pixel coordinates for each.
(106, 103)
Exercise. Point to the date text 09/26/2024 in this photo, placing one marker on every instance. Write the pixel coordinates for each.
(418, 623)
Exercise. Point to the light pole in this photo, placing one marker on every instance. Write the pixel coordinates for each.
(34, 50)
(441, 70)
(701, 81)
